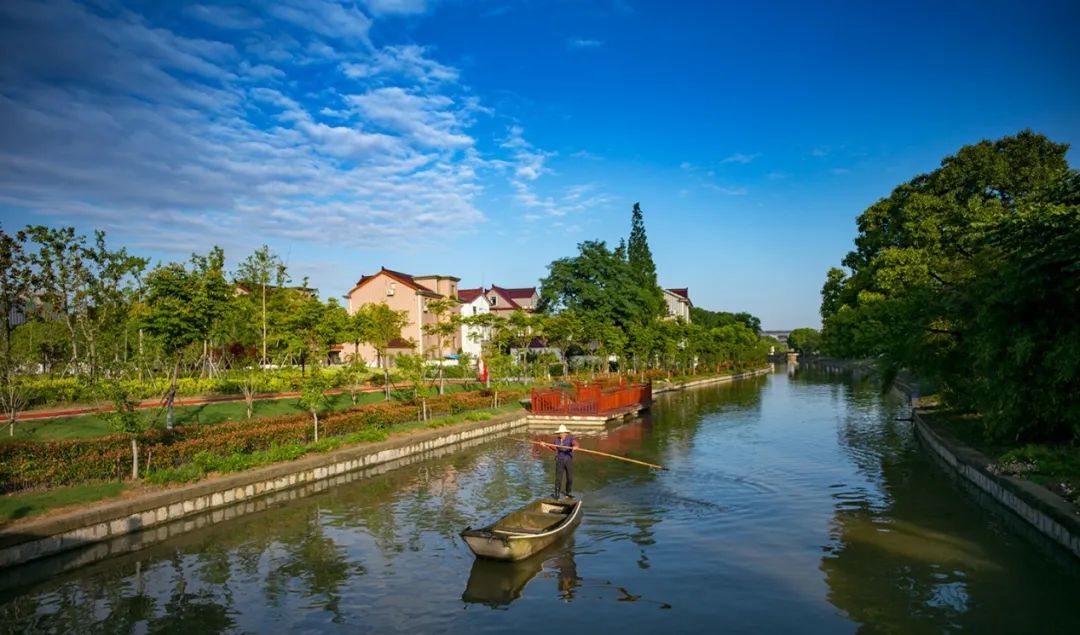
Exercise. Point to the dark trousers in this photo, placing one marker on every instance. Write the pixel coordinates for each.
(564, 467)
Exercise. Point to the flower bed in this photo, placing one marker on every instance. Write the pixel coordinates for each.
(27, 464)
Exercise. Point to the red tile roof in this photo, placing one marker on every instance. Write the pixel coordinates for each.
(520, 292)
(502, 293)
(403, 278)
(468, 295)
(684, 292)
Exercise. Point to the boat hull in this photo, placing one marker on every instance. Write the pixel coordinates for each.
(522, 533)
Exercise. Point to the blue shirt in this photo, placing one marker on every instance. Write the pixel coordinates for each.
(566, 447)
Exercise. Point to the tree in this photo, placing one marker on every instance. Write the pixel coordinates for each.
(381, 327)
(639, 258)
(262, 271)
(60, 279)
(183, 306)
(446, 323)
(313, 395)
(597, 284)
(916, 297)
(125, 418)
(414, 369)
(806, 341)
(15, 284)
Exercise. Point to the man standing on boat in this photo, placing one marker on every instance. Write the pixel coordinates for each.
(564, 461)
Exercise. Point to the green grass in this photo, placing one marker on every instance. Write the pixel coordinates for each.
(18, 506)
(1056, 467)
(90, 426)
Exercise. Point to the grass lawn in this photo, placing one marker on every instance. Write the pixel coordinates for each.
(25, 505)
(16, 506)
(89, 426)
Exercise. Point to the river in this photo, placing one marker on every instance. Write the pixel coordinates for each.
(793, 504)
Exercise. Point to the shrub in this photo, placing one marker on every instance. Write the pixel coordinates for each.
(26, 464)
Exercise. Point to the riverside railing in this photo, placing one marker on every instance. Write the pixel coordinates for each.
(589, 399)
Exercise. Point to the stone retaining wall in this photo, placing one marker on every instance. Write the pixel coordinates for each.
(1051, 515)
(712, 380)
(128, 525)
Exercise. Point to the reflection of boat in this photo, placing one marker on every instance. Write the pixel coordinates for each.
(498, 583)
(526, 531)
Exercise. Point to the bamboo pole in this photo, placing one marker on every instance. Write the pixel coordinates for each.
(610, 456)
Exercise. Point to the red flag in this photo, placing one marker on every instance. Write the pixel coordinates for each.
(483, 376)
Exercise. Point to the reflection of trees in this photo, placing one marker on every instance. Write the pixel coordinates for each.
(912, 553)
(311, 559)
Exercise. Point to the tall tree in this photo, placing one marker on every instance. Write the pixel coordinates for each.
(640, 259)
(15, 287)
(382, 326)
(444, 312)
(261, 273)
(183, 307)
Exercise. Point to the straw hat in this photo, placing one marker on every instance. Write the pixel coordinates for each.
(562, 429)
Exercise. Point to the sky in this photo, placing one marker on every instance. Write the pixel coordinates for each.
(484, 139)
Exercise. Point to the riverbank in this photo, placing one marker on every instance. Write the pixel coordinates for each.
(142, 507)
(155, 514)
(1054, 516)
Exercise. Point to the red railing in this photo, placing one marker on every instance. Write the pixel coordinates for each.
(589, 399)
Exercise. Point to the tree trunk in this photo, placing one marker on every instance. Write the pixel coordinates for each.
(172, 395)
(264, 325)
(134, 459)
(315, 418)
(249, 403)
(386, 380)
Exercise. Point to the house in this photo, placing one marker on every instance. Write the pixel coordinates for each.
(411, 294)
(504, 301)
(678, 304)
(473, 302)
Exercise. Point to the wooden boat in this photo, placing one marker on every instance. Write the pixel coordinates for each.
(526, 531)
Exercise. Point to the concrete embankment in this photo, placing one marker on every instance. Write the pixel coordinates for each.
(708, 381)
(113, 528)
(1053, 516)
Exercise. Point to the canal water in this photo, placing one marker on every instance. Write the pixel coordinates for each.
(793, 504)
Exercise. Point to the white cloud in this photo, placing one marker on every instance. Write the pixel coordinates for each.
(739, 157)
(840, 171)
(396, 7)
(408, 60)
(430, 120)
(819, 152)
(324, 17)
(727, 191)
(171, 141)
(577, 43)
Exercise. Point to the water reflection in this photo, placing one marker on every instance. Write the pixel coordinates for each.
(497, 584)
(793, 504)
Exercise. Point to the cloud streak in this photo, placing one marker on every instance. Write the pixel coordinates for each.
(169, 139)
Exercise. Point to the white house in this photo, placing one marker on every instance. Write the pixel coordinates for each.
(678, 304)
(473, 302)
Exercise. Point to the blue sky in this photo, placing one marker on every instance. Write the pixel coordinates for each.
(485, 139)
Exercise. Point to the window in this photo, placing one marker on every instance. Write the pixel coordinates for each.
(391, 288)
(475, 310)
(493, 299)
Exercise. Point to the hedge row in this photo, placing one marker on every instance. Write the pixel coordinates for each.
(51, 391)
(25, 464)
